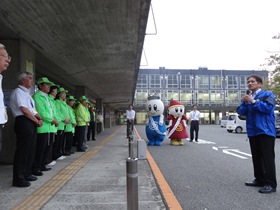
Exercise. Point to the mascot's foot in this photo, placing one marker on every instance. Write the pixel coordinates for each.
(158, 143)
(151, 143)
(174, 142)
(181, 142)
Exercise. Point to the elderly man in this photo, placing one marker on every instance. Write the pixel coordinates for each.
(5, 60)
(27, 120)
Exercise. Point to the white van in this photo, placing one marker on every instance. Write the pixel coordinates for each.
(238, 124)
(225, 119)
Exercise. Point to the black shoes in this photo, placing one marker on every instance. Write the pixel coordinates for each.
(31, 178)
(21, 184)
(37, 173)
(254, 183)
(46, 169)
(267, 189)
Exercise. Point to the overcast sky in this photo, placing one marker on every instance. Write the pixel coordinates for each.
(218, 34)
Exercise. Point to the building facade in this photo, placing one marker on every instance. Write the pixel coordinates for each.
(215, 92)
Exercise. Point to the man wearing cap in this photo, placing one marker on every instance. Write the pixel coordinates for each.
(70, 128)
(27, 120)
(44, 108)
(91, 127)
(83, 120)
(5, 60)
(64, 120)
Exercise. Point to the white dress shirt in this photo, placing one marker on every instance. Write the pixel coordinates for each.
(3, 113)
(21, 97)
(130, 114)
(195, 115)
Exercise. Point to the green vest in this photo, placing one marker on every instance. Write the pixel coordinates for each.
(82, 115)
(43, 106)
(53, 105)
(62, 112)
(70, 127)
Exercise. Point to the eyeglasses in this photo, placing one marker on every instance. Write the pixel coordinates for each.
(7, 56)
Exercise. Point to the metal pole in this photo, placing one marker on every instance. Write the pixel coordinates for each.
(130, 148)
(132, 183)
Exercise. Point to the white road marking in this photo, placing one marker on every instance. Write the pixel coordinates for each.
(201, 141)
(234, 151)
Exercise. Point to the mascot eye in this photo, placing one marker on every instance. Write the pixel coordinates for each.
(181, 110)
(176, 109)
(155, 107)
(150, 107)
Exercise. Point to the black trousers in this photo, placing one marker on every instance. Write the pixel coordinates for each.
(263, 156)
(99, 127)
(57, 145)
(50, 148)
(91, 129)
(1, 136)
(68, 141)
(81, 134)
(26, 134)
(42, 150)
(129, 128)
(194, 127)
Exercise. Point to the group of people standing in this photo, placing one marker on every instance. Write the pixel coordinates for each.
(46, 126)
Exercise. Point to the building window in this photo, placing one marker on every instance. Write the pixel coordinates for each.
(202, 97)
(155, 81)
(232, 82)
(215, 82)
(172, 94)
(202, 82)
(243, 82)
(142, 81)
(216, 97)
(172, 81)
(232, 98)
(186, 97)
(141, 97)
(186, 81)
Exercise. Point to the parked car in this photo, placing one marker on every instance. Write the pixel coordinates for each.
(238, 124)
(225, 119)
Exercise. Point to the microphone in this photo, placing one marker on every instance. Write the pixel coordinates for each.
(248, 92)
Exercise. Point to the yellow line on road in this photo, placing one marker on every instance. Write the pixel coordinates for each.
(41, 196)
(166, 191)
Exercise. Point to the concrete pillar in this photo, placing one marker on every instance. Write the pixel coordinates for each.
(23, 59)
(217, 121)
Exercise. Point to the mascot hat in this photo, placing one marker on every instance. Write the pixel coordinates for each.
(174, 103)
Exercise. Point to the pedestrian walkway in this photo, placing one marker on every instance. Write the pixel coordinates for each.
(95, 179)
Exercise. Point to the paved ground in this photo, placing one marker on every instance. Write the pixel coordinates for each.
(100, 183)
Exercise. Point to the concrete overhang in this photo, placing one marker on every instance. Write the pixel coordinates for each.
(92, 43)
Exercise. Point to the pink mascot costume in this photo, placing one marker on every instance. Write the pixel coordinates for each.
(177, 123)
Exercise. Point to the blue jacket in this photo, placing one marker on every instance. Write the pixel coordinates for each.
(260, 117)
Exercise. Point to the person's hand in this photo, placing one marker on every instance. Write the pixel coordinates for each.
(67, 121)
(54, 121)
(247, 98)
(39, 123)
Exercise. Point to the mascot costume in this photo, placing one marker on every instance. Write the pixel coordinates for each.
(156, 128)
(177, 123)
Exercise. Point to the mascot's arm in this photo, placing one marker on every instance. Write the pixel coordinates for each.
(147, 123)
(161, 119)
(170, 123)
(185, 123)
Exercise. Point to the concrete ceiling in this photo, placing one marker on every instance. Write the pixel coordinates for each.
(92, 43)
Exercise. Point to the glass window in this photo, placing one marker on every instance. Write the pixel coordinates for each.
(243, 82)
(186, 97)
(232, 82)
(172, 81)
(202, 82)
(202, 97)
(186, 81)
(216, 97)
(215, 82)
(174, 94)
(155, 81)
(142, 81)
(141, 97)
(232, 97)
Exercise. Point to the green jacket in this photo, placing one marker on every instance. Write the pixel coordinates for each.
(55, 113)
(62, 113)
(70, 127)
(43, 106)
(82, 115)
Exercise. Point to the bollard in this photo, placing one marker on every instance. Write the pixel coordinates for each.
(132, 183)
(130, 147)
(141, 149)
